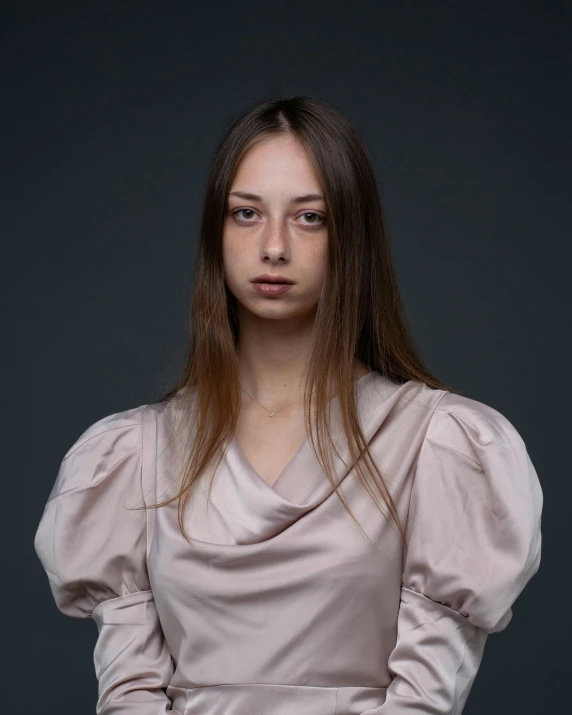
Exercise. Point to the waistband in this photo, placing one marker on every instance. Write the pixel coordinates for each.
(264, 698)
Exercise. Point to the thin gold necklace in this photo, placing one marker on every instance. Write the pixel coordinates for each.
(261, 405)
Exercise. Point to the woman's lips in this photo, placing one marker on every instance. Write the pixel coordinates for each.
(271, 288)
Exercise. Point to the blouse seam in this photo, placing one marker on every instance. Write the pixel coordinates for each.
(144, 483)
(68, 589)
(452, 449)
(508, 435)
(126, 595)
(450, 608)
(120, 598)
(98, 434)
(452, 412)
(283, 685)
(445, 392)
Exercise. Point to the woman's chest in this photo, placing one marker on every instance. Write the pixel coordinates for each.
(269, 443)
(318, 581)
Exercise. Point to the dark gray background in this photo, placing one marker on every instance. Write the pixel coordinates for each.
(113, 112)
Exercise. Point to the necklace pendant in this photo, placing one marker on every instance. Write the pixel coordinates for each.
(271, 414)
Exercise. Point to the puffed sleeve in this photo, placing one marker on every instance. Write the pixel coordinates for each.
(474, 541)
(93, 549)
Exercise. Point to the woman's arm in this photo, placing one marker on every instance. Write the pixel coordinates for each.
(474, 542)
(93, 550)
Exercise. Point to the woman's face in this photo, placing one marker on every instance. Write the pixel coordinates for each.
(270, 232)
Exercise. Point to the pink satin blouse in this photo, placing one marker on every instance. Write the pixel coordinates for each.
(281, 606)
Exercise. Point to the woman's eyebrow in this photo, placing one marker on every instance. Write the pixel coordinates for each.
(295, 199)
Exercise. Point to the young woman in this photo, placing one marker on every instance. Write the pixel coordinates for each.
(229, 539)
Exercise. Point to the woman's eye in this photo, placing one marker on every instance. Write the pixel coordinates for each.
(234, 213)
(317, 218)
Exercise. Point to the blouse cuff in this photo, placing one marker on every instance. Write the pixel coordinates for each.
(435, 659)
(132, 662)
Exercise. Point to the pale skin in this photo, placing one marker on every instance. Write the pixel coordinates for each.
(274, 234)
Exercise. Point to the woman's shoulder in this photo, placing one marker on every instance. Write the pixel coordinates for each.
(475, 513)
(469, 426)
(125, 421)
(114, 427)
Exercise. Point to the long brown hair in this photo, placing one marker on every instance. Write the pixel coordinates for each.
(361, 319)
